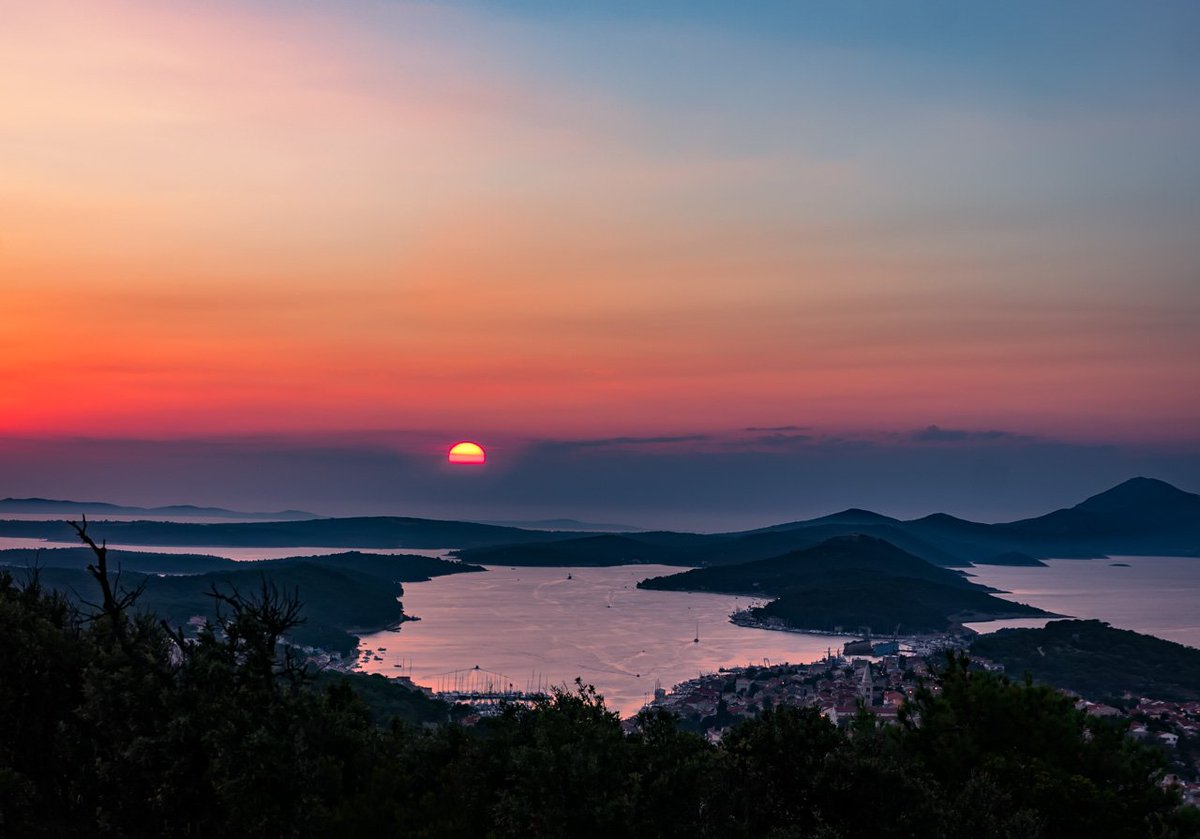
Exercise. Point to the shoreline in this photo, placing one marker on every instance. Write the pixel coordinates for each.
(743, 619)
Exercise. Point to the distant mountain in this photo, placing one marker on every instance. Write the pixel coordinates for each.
(566, 524)
(357, 532)
(1096, 660)
(1139, 516)
(1143, 497)
(691, 548)
(51, 506)
(762, 544)
(853, 516)
(849, 582)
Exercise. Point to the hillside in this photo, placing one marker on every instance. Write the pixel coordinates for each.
(885, 604)
(147, 562)
(1095, 660)
(343, 594)
(851, 582)
(399, 568)
(842, 556)
(404, 568)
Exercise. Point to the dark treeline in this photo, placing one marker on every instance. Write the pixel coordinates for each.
(114, 724)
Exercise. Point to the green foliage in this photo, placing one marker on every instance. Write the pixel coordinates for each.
(1000, 747)
(111, 726)
(385, 699)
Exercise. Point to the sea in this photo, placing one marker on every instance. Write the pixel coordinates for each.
(530, 628)
(1155, 595)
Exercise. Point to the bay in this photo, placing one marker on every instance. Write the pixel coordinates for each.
(538, 626)
(1156, 595)
(535, 627)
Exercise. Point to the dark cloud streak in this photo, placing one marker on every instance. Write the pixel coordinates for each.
(936, 434)
(602, 442)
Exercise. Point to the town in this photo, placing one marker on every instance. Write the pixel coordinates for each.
(842, 686)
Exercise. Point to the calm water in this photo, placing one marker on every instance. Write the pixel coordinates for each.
(535, 625)
(1157, 595)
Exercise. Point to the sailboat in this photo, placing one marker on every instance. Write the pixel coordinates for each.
(696, 640)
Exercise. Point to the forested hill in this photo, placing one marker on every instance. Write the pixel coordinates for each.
(851, 582)
(343, 594)
(1095, 660)
(404, 568)
(836, 558)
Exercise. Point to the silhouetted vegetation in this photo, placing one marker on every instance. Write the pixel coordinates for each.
(112, 723)
(1095, 660)
(885, 603)
(344, 593)
(851, 582)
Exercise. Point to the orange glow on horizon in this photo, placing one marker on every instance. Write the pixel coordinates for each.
(467, 453)
(256, 219)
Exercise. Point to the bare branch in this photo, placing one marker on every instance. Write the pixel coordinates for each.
(115, 604)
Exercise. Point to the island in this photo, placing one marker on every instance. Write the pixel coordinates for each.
(849, 583)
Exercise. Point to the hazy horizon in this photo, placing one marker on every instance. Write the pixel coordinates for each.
(712, 483)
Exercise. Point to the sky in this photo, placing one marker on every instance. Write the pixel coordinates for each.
(692, 264)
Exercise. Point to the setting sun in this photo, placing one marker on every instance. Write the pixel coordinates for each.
(467, 453)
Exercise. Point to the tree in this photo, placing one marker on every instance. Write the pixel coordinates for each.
(113, 724)
(771, 764)
(998, 747)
